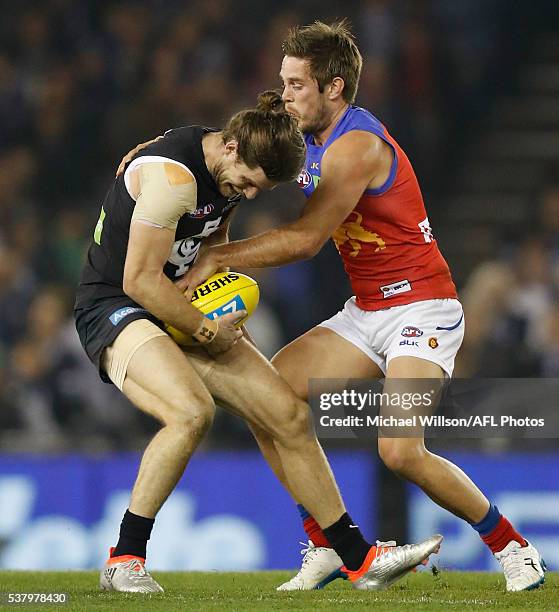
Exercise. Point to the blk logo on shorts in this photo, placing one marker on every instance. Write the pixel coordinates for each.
(411, 332)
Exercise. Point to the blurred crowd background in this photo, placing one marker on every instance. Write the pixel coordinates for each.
(469, 89)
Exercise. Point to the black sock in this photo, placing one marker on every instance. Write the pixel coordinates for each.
(348, 541)
(134, 535)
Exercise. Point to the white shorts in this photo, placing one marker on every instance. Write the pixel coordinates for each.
(431, 330)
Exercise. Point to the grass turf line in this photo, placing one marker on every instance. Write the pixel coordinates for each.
(256, 591)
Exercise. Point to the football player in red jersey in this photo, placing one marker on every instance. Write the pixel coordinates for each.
(404, 321)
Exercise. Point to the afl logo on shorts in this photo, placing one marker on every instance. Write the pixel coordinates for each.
(203, 211)
(411, 332)
(304, 179)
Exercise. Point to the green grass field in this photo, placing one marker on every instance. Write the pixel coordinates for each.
(256, 591)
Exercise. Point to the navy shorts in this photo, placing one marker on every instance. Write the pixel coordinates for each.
(100, 324)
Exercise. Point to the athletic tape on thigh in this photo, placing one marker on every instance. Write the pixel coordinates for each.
(117, 356)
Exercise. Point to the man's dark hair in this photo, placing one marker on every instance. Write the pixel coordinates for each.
(331, 52)
(268, 137)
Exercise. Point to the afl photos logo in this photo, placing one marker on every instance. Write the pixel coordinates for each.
(304, 179)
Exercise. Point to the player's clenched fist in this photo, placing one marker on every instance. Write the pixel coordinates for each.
(227, 334)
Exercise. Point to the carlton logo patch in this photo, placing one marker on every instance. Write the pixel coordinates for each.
(203, 211)
(433, 343)
(304, 179)
(411, 332)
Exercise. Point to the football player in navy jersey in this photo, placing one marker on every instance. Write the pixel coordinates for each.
(174, 194)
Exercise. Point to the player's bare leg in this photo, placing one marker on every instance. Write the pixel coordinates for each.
(319, 353)
(328, 566)
(160, 381)
(245, 381)
(322, 353)
(445, 483)
(448, 486)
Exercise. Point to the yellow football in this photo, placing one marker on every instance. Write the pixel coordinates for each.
(221, 294)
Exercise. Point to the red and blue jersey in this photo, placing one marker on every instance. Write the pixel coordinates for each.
(386, 243)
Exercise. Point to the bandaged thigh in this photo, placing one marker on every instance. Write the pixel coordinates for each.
(117, 356)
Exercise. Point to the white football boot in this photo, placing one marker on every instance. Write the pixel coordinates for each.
(320, 566)
(127, 574)
(392, 563)
(523, 566)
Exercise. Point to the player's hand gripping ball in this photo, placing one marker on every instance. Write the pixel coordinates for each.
(221, 294)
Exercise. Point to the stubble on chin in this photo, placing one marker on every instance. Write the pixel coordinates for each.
(318, 123)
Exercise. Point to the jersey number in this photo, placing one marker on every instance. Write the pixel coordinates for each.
(426, 230)
(184, 251)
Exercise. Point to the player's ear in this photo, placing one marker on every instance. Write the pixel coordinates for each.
(231, 148)
(336, 88)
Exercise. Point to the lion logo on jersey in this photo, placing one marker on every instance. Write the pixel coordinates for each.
(354, 233)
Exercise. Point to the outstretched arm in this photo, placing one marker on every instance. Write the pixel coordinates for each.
(348, 166)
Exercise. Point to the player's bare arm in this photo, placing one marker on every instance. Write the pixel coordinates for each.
(145, 282)
(149, 247)
(353, 163)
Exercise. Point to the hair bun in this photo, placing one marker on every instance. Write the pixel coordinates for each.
(270, 101)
